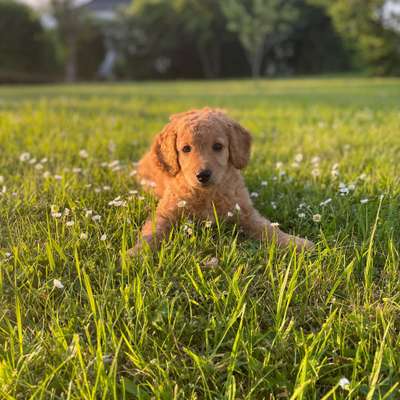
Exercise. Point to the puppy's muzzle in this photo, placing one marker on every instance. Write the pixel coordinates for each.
(204, 176)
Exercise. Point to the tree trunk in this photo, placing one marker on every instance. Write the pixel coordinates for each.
(210, 60)
(256, 59)
(70, 68)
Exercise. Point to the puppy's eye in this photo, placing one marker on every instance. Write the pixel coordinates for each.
(217, 146)
(186, 149)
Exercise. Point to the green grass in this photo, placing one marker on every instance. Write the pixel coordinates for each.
(212, 315)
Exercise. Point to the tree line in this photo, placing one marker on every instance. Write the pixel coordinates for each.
(168, 39)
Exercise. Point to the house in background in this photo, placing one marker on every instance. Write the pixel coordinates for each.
(106, 11)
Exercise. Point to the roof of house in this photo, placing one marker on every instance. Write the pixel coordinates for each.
(106, 5)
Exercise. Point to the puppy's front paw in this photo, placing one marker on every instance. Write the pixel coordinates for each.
(300, 243)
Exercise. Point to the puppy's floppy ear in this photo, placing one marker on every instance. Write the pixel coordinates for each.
(239, 145)
(164, 148)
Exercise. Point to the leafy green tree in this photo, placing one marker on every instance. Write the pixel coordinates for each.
(27, 51)
(368, 30)
(70, 23)
(260, 25)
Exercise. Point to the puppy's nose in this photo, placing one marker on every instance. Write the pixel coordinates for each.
(204, 175)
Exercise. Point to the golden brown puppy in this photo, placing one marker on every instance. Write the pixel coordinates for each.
(193, 166)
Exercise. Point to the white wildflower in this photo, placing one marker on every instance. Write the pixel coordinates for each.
(364, 201)
(302, 215)
(264, 183)
(57, 177)
(83, 236)
(56, 214)
(97, 190)
(298, 158)
(88, 213)
(133, 172)
(58, 284)
(83, 153)
(279, 165)
(96, 218)
(237, 207)
(103, 237)
(208, 224)
(315, 160)
(363, 176)
(76, 170)
(142, 198)
(1, 179)
(181, 203)
(39, 167)
(133, 192)
(254, 194)
(46, 174)
(67, 211)
(43, 160)
(4, 189)
(24, 157)
(273, 205)
(88, 185)
(275, 224)
(106, 188)
(344, 383)
(211, 263)
(229, 214)
(32, 161)
(315, 172)
(317, 217)
(70, 223)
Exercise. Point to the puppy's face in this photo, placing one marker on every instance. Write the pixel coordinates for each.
(202, 145)
(203, 155)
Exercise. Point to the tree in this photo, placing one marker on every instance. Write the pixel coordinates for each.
(260, 25)
(27, 51)
(370, 31)
(69, 19)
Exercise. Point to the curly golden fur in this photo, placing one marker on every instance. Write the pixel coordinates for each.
(193, 167)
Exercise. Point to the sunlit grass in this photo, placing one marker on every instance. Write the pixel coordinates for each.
(211, 314)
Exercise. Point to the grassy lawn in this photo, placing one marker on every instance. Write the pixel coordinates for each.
(212, 315)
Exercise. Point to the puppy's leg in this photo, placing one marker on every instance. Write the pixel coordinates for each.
(258, 227)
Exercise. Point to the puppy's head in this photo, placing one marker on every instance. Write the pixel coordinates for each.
(202, 145)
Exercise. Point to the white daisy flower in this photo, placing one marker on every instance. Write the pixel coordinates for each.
(32, 161)
(46, 174)
(315, 172)
(315, 160)
(317, 217)
(211, 263)
(181, 203)
(24, 157)
(83, 236)
(56, 215)
(83, 153)
(264, 183)
(344, 383)
(229, 214)
(208, 224)
(39, 167)
(279, 165)
(298, 157)
(275, 224)
(70, 223)
(66, 211)
(58, 284)
(103, 237)
(96, 218)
